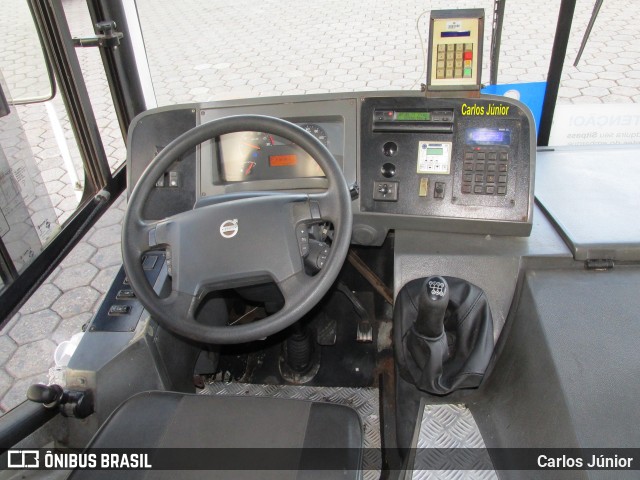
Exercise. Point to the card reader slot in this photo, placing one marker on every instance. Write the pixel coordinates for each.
(416, 127)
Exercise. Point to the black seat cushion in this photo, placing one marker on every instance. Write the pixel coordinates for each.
(175, 420)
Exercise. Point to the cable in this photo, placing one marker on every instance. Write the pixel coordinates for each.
(424, 52)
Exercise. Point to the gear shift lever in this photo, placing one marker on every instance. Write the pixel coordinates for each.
(423, 354)
(432, 306)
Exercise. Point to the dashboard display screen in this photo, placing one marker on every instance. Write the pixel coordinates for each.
(282, 160)
(255, 156)
(488, 136)
(413, 116)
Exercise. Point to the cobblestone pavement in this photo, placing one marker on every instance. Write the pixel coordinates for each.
(221, 50)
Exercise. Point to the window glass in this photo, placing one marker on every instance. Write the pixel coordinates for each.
(598, 101)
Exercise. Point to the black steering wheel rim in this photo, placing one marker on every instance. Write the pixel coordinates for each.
(303, 292)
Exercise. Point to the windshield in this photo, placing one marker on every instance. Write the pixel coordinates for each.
(207, 51)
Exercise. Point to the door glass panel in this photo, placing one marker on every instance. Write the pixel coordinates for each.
(22, 54)
(28, 217)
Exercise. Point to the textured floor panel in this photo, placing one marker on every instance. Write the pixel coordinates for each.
(450, 426)
(362, 400)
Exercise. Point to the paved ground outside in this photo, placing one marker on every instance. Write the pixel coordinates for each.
(209, 50)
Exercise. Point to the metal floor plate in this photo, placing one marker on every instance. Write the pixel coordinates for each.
(362, 400)
(450, 426)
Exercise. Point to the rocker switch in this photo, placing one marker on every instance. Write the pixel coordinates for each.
(174, 179)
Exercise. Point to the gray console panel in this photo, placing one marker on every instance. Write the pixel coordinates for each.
(592, 195)
(493, 263)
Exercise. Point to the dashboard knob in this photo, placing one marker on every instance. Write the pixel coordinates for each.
(390, 149)
(388, 170)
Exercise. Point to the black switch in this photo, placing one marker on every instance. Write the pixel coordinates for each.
(149, 261)
(438, 190)
(119, 310)
(125, 294)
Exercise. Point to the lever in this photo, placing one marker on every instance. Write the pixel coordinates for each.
(70, 403)
(432, 305)
(49, 395)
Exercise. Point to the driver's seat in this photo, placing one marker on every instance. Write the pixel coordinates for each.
(177, 420)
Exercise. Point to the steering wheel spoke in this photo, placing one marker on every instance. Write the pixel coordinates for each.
(141, 237)
(294, 286)
(324, 207)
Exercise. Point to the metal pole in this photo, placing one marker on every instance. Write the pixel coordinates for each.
(560, 42)
(496, 36)
(587, 33)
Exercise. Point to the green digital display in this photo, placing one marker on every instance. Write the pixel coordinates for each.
(413, 116)
(435, 151)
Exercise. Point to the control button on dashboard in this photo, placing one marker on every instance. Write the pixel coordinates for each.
(390, 149)
(491, 178)
(438, 190)
(385, 191)
(502, 190)
(478, 189)
(502, 179)
(125, 294)
(467, 177)
(119, 310)
(424, 187)
(502, 168)
(466, 188)
(160, 181)
(479, 177)
(388, 170)
(491, 167)
(174, 179)
(468, 166)
(479, 166)
(490, 189)
(149, 262)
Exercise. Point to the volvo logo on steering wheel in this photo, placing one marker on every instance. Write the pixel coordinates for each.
(229, 228)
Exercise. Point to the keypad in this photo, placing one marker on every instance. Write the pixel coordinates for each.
(454, 60)
(485, 173)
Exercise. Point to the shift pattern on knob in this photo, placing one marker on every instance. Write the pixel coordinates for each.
(437, 288)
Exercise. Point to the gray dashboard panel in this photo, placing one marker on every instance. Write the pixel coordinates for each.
(578, 186)
(370, 228)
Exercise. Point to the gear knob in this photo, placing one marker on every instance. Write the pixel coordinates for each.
(432, 306)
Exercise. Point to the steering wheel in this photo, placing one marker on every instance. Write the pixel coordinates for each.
(236, 240)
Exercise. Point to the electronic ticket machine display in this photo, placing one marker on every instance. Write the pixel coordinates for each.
(461, 160)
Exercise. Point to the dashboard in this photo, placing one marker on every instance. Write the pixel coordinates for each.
(436, 164)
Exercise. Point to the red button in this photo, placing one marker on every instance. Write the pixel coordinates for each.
(468, 55)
